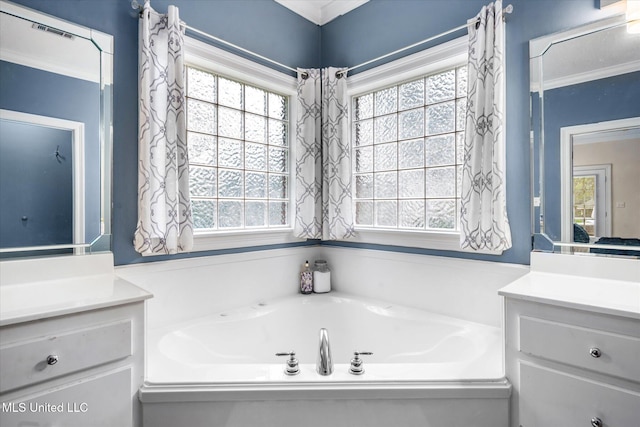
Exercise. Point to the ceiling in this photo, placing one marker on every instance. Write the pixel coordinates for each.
(321, 11)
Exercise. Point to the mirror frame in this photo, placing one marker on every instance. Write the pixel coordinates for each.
(104, 43)
(537, 47)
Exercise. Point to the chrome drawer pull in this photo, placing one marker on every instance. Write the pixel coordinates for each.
(595, 352)
(52, 359)
(596, 422)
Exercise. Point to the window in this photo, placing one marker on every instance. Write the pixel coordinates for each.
(407, 136)
(238, 136)
(238, 153)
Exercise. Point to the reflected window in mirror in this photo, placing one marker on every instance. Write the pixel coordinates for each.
(585, 86)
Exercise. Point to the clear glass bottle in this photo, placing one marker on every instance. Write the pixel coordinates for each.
(306, 279)
(321, 277)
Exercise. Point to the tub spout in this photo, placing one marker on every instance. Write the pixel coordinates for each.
(324, 365)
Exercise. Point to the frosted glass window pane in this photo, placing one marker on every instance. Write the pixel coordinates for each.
(255, 156)
(411, 124)
(230, 183)
(255, 214)
(255, 100)
(386, 185)
(440, 150)
(278, 213)
(255, 128)
(364, 107)
(278, 159)
(230, 214)
(278, 133)
(441, 214)
(386, 156)
(364, 213)
(230, 93)
(441, 118)
(202, 181)
(459, 181)
(204, 213)
(230, 123)
(462, 82)
(364, 186)
(461, 111)
(201, 85)
(460, 147)
(202, 148)
(277, 106)
(230, 153)
(278, 186)
(440, 182)
(386, 101)
(411, 214)
(201, 116)
(364, 159)
(256, 185)
(364, 132)
(411, 184)
(386, 213)
(412, 94)
(386, 129)
(411, 154)
(441, 87)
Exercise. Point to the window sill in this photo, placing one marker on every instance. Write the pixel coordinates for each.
(203, 241)
(437, 240)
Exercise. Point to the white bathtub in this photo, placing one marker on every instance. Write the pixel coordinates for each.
(427, 369)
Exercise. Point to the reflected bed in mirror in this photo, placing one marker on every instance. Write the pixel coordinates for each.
(55, 135)
(585, 115)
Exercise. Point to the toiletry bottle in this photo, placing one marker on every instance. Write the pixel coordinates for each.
(306, 279)
(321, 277)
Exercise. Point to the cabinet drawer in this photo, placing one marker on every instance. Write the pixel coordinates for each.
(25, 363)
(616, 354)
(103, 401)
(551, 398)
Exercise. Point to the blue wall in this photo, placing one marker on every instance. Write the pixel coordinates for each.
(617, 98)
(36, 188)
(375, 28)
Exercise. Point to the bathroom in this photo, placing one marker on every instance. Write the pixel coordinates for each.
(255, 271)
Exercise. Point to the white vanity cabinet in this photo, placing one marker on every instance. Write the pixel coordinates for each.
(71, 351)
(76, 370)
(573, 351)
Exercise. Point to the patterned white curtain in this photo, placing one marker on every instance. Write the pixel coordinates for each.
(323, 157)
(483, 221)
(308, 221)
(164, 208)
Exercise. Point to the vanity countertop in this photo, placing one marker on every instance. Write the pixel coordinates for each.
(33, 289)
(615, 297)
(37, 300)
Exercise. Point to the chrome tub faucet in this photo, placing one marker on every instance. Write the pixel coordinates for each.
(324, 364)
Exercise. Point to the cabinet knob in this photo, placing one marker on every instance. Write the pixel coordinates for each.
(595, 352)
(596, 422)
(52, 359)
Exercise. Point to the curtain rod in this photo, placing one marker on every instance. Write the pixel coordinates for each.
(507, 9)
(137, 6)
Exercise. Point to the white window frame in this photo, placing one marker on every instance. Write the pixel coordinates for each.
(442, 57)
(218, 61)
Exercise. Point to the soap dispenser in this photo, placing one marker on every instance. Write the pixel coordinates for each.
(306, 279)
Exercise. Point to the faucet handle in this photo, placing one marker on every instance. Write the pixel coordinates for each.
(292, 363)
(356, 367)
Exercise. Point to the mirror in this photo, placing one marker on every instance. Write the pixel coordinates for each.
(585, 116)
(55, 135)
